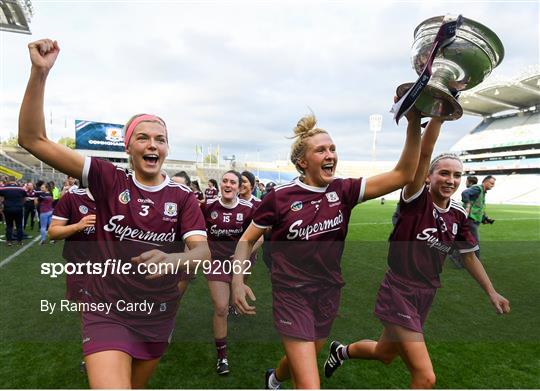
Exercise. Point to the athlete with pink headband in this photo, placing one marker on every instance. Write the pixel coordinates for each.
(141, 215)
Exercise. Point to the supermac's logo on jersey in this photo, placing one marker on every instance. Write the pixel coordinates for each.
(214, 215)
(332, 196)
(170, 209)
(296, 206)
(83, 209)
(124, 197)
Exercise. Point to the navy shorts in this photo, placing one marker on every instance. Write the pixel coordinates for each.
(403, 304)
(305, 313)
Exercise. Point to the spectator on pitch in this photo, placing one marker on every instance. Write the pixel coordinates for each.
(30, 206)
(45, 205)
(211, 191)
(471, 180)
(454, 256)
(55, 193)
(474, 202)
(309, 218)
(14, 198)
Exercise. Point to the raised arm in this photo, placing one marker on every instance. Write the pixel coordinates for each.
(427, 145)
(403, 172)
(32, 133)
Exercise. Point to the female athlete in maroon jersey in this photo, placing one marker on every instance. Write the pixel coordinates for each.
(136, 210)
(309, 220)
(429, 226)
(73, 219)
(227, 217)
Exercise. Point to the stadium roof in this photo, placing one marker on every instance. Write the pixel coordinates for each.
(498, 95)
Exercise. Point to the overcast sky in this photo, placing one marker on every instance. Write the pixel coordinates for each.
(241, 73)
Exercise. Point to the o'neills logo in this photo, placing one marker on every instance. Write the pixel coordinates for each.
(128, 233)
(432, 241)
(297, 231)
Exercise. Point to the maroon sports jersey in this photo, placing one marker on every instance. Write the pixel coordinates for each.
(424, 235)
(132, 218)
(72, 207)
(225, 224)
(309, 225)
(211, 193)
(45, 201)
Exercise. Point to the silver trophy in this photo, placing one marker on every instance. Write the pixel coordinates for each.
(463, 64)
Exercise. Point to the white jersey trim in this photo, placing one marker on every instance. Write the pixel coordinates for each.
(59, 218)
(315, 189)
(413, 197)
(191, 233)
(181, 186)
(469, 250)
(86, 170)
(260, 226)
(362, 190)
(455, 205)
(285, 186)
(245, 203)
(152, 189)
(232, 206)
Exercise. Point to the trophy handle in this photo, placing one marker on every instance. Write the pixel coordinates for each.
(434, 102)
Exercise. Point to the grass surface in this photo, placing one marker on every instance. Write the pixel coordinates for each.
(470, 346)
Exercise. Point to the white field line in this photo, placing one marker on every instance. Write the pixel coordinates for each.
(18, 252)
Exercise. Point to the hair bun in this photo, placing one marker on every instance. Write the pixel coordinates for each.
(305, 124)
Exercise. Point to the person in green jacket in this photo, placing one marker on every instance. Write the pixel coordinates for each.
(474, 202)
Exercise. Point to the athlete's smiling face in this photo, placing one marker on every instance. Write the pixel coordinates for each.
(445, 179)
(229, 187)
(148, 149)
(320, 160)
(245, 189)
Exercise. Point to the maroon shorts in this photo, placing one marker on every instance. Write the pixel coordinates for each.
(305, 313)
(101, 333)
(403, 304)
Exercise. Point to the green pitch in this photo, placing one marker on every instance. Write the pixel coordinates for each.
(470, 346)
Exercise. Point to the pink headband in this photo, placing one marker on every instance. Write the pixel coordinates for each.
(137, 121)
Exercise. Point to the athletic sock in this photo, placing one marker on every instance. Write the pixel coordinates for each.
(343, 352)
(221, 347)
(273, 381)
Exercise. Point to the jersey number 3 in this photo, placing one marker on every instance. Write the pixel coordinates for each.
(144, 210)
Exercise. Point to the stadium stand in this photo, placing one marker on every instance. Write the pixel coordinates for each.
(506, 143)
